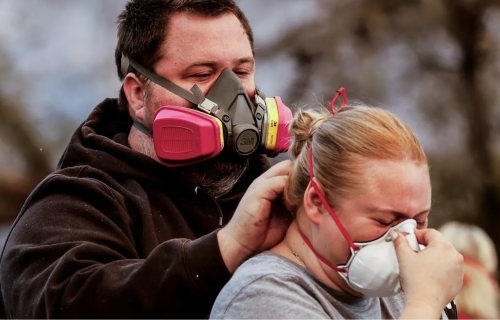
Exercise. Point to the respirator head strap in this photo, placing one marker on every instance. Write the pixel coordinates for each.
(325, 203)
(194, 96)
(314, 185)
(142, 128)
(309, 244)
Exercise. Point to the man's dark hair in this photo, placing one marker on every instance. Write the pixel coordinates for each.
(142, 29)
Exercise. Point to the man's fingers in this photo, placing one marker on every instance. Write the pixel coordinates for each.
(402, 246)
(282, 168)
(272, 188)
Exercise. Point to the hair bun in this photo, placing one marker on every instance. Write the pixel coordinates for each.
(302, 128)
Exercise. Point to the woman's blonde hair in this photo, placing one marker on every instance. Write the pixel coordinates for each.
(342, 144)
(479, 295)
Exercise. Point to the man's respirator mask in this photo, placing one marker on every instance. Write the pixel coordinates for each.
(225, 118)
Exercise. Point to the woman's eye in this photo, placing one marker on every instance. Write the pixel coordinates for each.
(385, 224)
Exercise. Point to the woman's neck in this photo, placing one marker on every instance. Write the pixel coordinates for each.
(295, 249)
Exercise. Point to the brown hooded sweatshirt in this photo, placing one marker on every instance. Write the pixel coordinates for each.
(114, 234)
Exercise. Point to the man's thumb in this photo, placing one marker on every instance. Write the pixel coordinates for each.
(401, 244)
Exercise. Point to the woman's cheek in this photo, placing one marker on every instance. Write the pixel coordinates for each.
(370, 233)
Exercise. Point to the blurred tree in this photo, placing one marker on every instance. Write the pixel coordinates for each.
(439, 58)
(23, 161)
(54, 68)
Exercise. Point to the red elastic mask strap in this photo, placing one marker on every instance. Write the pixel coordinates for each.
(334, 267)
(325, 203)
(344, 103)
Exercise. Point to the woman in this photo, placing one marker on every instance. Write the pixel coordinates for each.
(360, 187)
(479, 298)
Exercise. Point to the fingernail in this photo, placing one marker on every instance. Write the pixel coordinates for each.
(393, 235)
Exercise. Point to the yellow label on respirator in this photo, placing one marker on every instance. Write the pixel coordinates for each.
(272, 129)
(221, 132)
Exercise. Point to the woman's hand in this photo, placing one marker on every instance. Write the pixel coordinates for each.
(430, 278)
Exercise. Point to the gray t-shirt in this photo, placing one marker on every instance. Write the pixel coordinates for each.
(271, 286)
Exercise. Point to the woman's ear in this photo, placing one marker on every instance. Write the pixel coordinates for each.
(135, 91)
(312, 203)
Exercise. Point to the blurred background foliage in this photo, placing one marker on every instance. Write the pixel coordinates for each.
(435, 63)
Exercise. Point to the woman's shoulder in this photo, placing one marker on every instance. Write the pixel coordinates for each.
(267, 280)
(266, 268)
(271, 286)
(266, 264)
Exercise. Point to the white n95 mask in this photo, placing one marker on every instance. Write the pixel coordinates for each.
(373, 267)
(373, 270)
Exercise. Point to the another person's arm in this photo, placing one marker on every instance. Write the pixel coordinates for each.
(73, 254)
(430, 278)
(77, 252)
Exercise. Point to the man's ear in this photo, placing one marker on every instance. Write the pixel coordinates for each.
(312, 203)
(135, 91)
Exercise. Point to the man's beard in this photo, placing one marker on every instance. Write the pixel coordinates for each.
(218, 175)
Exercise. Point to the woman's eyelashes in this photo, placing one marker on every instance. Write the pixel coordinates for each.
(385, 223)
(390, 223)
(422, 223)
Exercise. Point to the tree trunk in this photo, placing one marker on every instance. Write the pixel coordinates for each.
(466, 25)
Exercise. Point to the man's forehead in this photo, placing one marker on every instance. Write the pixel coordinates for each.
(190, 35)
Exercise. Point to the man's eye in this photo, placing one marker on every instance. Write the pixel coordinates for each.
(201, 76)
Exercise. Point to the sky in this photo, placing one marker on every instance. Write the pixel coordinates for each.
(65, 49)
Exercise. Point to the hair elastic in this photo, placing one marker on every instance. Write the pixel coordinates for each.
(311, 132)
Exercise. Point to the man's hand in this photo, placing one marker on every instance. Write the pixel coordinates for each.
(253, 229)
(430, 278)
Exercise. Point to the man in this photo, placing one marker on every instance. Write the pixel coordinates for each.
(115, 233)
